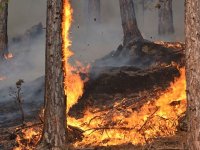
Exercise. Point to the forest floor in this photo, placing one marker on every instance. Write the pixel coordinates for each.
(113, 83)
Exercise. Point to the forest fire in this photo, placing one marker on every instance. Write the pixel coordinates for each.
(119, 125)
(73, 82)
(30, 136)
(158, 118)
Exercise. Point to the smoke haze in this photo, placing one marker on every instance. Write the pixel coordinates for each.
(90, 40)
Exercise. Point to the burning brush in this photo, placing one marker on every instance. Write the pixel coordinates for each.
(121, 124)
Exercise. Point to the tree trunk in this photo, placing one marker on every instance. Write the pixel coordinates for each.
(3, 28)
(129, 23)
(94, 11)
(192, 31)
(165, 16)
(54, 132)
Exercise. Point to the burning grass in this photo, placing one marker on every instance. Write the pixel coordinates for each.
(121, 123)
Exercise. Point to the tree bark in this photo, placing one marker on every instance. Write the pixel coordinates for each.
(54, 132)
(165, 16)
(94, 11)
(129, 22)
(192, 31)
(3, 28)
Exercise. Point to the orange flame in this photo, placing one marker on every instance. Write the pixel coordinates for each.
(73, 82)
(156, 118)
(28, 140)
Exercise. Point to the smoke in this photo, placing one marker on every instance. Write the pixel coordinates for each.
(23, 14)
(32, 97)
(149, 23)
(90, 41)
(28, 58)
(93, 41)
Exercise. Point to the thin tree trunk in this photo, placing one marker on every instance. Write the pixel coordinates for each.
(94, 11)
(192, 31)
(54, 132)
(129, 22)
(165, 16)
(3, 28)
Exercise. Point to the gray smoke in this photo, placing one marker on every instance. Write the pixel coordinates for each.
(90, 41)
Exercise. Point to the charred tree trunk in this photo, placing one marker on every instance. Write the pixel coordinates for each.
(3, 28)
(54, 132)
(94, 11)
(192, 31)
(165, 16)
(129, 22)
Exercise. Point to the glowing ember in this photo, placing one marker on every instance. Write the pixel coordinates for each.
(8, 56)
(2, 78)
(176, 45)
(28, 139)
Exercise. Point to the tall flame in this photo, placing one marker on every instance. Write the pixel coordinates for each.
(73, 82)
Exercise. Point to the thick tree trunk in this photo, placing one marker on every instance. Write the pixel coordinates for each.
(192, 31)
(129, 22)
(165, 16)
(94, 11)
(3, 28)
(54, 132)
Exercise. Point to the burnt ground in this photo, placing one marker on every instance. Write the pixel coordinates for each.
(108, 84)
(152, 70)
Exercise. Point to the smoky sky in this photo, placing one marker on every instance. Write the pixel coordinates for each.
(89, 41)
